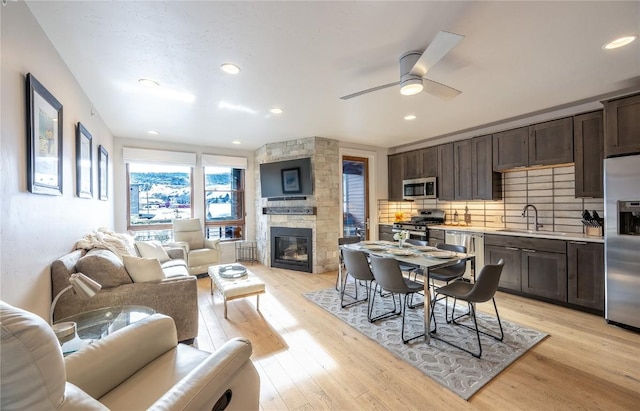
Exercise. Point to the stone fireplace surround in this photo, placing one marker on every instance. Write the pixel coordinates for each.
(325, 223)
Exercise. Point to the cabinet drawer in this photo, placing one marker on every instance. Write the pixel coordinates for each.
(538, 244)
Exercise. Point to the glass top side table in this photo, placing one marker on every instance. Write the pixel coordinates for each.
(96, 324)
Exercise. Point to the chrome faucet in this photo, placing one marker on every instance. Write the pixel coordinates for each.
(524, 212)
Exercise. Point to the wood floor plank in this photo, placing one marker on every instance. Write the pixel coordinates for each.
(309, 360)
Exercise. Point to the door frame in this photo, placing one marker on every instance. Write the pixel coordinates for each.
(372, 179)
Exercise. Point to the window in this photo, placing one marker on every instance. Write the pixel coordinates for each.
(224, 203)
(158, 193)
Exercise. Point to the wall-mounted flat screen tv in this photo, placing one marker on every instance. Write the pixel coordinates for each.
(290, 178)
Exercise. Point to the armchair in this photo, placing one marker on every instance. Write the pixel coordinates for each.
(201, 253)
(137, 368)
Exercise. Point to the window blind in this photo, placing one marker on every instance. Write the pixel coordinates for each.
(141, 155)
(210, 160)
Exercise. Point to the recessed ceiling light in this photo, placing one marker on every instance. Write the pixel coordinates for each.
(153, 132)
(410, 117)
(148, 83)
(236, 142)
(620, 42)
(230, 68)
(276, 110)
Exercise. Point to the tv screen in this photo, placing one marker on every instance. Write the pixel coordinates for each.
(291, 178)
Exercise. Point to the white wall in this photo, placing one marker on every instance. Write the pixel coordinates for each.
(36, 229)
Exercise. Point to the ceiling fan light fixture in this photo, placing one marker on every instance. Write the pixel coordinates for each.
(411, 87)
(620, 42)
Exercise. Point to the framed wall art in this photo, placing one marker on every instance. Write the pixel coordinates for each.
(291, 181)
(103, 173)
(84, 162)
(44, 139)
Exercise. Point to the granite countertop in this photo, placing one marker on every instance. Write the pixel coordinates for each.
(538, 234)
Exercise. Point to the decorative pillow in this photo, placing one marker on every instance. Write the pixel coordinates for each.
(152, 249)
(143, 269)
(104, 267)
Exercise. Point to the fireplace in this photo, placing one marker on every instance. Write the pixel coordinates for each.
(292, 248)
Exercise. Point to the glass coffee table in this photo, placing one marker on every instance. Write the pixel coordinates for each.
(96, 324)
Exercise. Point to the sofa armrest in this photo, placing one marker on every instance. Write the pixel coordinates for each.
(229, 368)
(120, 355)
(213, 244)
(176, 253)
(179, 244)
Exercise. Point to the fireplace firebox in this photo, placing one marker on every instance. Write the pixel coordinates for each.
(292, 248)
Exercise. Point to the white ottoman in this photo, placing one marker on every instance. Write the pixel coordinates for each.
(232, 288)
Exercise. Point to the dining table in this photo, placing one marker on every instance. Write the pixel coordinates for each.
(426, 257)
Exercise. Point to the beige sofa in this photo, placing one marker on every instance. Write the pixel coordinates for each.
(137, 368)
(175, 296)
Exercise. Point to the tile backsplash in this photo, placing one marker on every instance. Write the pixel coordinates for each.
(550, 190)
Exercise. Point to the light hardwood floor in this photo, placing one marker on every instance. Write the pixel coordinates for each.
(310, 360)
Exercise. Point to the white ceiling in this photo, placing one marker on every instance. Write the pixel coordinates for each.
(517, 58)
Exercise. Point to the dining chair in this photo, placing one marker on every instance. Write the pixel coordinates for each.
(357, 267)
(448, 273)
(343, 241)
(484, 289)
(413, 268)
(388, 276)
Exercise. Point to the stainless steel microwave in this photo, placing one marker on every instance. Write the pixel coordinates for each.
(419, 188)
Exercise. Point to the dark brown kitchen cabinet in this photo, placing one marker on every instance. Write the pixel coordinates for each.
(585, 278)
(544, 274)
(429, 159)
(511, 149)
(435, 237)
(486, 184)
(462, 170)
(446, 181)
(622, 126)
(385, 232)
(588, 153)
(511, 278)
(551, 142)
(395, 176)
(412, 164)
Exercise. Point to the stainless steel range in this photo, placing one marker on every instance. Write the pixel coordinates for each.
(417, 226)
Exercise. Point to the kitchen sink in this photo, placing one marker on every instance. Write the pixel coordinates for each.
(520, 231)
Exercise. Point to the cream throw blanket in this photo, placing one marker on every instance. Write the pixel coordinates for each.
(118, 243)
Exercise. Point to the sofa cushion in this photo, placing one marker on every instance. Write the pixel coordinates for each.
(104, 267)
(143, 269)
(152, 249)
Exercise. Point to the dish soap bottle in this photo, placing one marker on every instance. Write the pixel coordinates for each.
(455, 216)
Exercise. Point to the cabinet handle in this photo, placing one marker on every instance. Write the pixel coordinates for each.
(512, 248)
(578, 242)
(528, 250)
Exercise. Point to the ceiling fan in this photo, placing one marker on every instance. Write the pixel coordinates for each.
(414, 65)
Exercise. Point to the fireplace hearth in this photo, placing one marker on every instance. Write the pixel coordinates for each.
(292, 248)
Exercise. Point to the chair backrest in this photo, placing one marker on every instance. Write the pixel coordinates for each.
(190, 231)
(357, 265)
(416, 242)
(486, 283)
(387, 273)
(346, 240)
(459, 267)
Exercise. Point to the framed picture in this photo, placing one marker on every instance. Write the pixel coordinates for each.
(291, 181)
(103, 173)
(44, 139)
(84, 162)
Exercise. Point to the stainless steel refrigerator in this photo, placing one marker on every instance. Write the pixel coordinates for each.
(622, 240)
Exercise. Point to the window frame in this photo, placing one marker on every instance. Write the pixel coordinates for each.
(241, 194)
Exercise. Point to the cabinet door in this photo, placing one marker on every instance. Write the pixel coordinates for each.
(429, 162)
(412, 164)
(588, 153)
(445, 172)
(385, 232)
(462, 170)
(396, 172)
(435, 237)
(510, 279)
(586, 274)
(486, 183)
(544, 274)
(622, 126)
(551, 142)
(510, 149)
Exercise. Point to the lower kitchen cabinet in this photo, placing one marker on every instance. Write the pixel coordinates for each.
(544, 274)
(586, 274)
(435, 237)
(385, 232)
(511, 278)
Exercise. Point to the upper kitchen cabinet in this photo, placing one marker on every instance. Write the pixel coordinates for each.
(510, 149)
(412, 165)
(588, 152)
(622, 126)
(421, 163)
(486, 184)
(462, 170)
(395, 174)
(445, 172)
(551, 142)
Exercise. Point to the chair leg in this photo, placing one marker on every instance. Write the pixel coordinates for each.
(404, 312)
(384, 315)
(355, 298)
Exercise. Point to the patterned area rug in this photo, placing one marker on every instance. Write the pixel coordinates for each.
(451, 367)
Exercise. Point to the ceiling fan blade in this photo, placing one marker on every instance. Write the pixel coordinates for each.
(359, 93)
(443, 43)
(439, 90)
